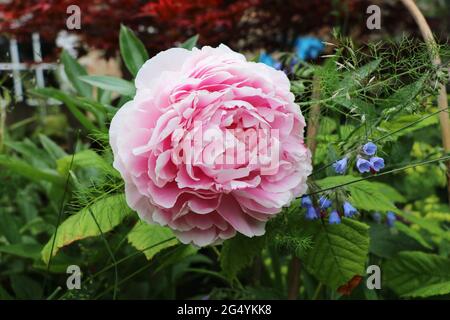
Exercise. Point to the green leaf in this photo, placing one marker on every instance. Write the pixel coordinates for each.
(353, 79)
(238, 253)
(418, 274)
(23, 250)
(9, 227)
(405, 95)
(190, 43)
(118, 85)
(389, 192)
(51, 147)
(26, 288)
(151, 238)
(73, 71)
(132, 50)
(339, 252)
(414, 234)
(85, 159)
(4, 295)
(109, 212)
(401, 123)
(25, 170)
(69, 101)
(386, 243)
(431, 226)
(364, 195)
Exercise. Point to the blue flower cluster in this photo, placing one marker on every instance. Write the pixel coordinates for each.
(390, 218)
(306, 48)
(321, 210)
(366, 160)
(269, 60)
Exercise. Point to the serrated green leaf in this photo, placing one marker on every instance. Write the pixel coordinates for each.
(238, 253)
(431, 226)
(386, 243)
(390, 193)
(339, 252)
(190, 43)
(109, 212)
(118, 85)
(353, 79)
(412, 234)
(405, 95)
(364, 195)
(132, 50)
(151, 238)
(418, 274)
(400, 123)
(73, 71)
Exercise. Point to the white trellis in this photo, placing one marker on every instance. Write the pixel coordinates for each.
(15, 67)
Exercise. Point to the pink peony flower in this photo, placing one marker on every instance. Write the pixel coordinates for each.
(211, 144)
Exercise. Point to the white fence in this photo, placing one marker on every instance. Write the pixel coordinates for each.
(15, 67)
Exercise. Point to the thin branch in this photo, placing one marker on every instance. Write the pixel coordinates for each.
(313, 129)
(442, 98)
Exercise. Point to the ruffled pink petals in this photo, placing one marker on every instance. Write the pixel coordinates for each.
(211, 144)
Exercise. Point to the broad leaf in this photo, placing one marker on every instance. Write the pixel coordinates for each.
(418, 274)
(132, 50)
(365, 195)
(108, 212)
(238, 253)
(339, 252)
(385, 242)
(151, 238)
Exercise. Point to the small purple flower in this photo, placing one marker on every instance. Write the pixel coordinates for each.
(306, 202)
(349, 210)
(391, 218)
(376, 217)
(341, 165)
(376, 164)
(369, 148)
(324, 203)
(268, 60)
(311, 213)
(363, 165)
(334, 217)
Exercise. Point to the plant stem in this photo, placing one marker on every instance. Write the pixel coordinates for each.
(312, 130)
(294, 278)
(442, 98)
(3, 105)
(317, 292)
